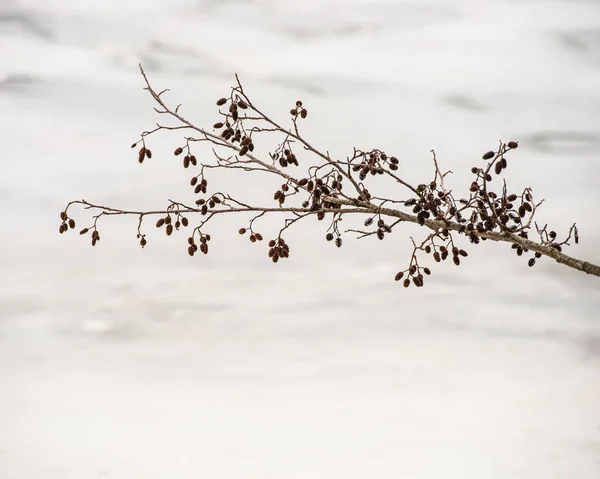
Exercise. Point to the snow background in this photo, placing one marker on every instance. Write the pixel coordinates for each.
(118, 362)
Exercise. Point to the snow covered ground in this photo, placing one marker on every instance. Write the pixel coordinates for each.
(118, 362)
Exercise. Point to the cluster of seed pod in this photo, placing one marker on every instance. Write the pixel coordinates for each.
(318, 188)
(187, 159)
(278, 248)
(169, 225)
(143, 153)
(285, 158)
(299, 110)
(279, 195)
(253, 237)
(193, 246)
(206, 204)
(414, 273)
(66, 223)
(199, 186)
(373, 162)
(234, 106)
(71, 223)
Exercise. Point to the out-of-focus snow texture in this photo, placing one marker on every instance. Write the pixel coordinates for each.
(123, 363)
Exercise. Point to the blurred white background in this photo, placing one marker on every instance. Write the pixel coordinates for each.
(118, 362)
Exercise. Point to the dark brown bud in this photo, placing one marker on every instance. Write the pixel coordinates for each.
(293, 112)
(84, 231)
(218, 125)
(221, 101)
(143, 242)
(72, 223)
(242, 231)
(160, 222)
(253, 238)
(271, 243)
(456, 260)
(489, 155)
(186, 161)
(512, 197)
(407, 282)
(299, 104)
(194, 180)
(303, 113)
(178, 151)
(513, 144)
(193, 160)
(191, 250)
(338, 242)
(243, 150)
(427, 271)
(462, 252)
(329, 237)
(169, 230)
(399, 275)
(242, 104)
(303, 182)
(531, 262)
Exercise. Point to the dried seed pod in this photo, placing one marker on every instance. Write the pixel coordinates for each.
(489, 155)
(72, 223)
(538, 254)
(527, 207)
(320, 215)
(456, 260)
(221, 101)
(253, 238)
(406, 282)
(84, 231)
(148, 153)
(143, 242)
(436, 257)
(242, 104)
(427, 271)
(193, 160)
(204, 209)
(368, 221)
(329, 237)
(531, 262)
(184, 221)
(271, 243)
(242, 231)
(462, 252)
(169, 230)
(218, 125)
(204, 248)
(498, 168)
(191, 250)
(512, 145)
(259, 237)
(399, 275)
(141, 154)
(504, 163)
(178, 151)
(380, 234)
(303, 113)
(160, 222)
(338, 242)
(186, 161)
(512, 197)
